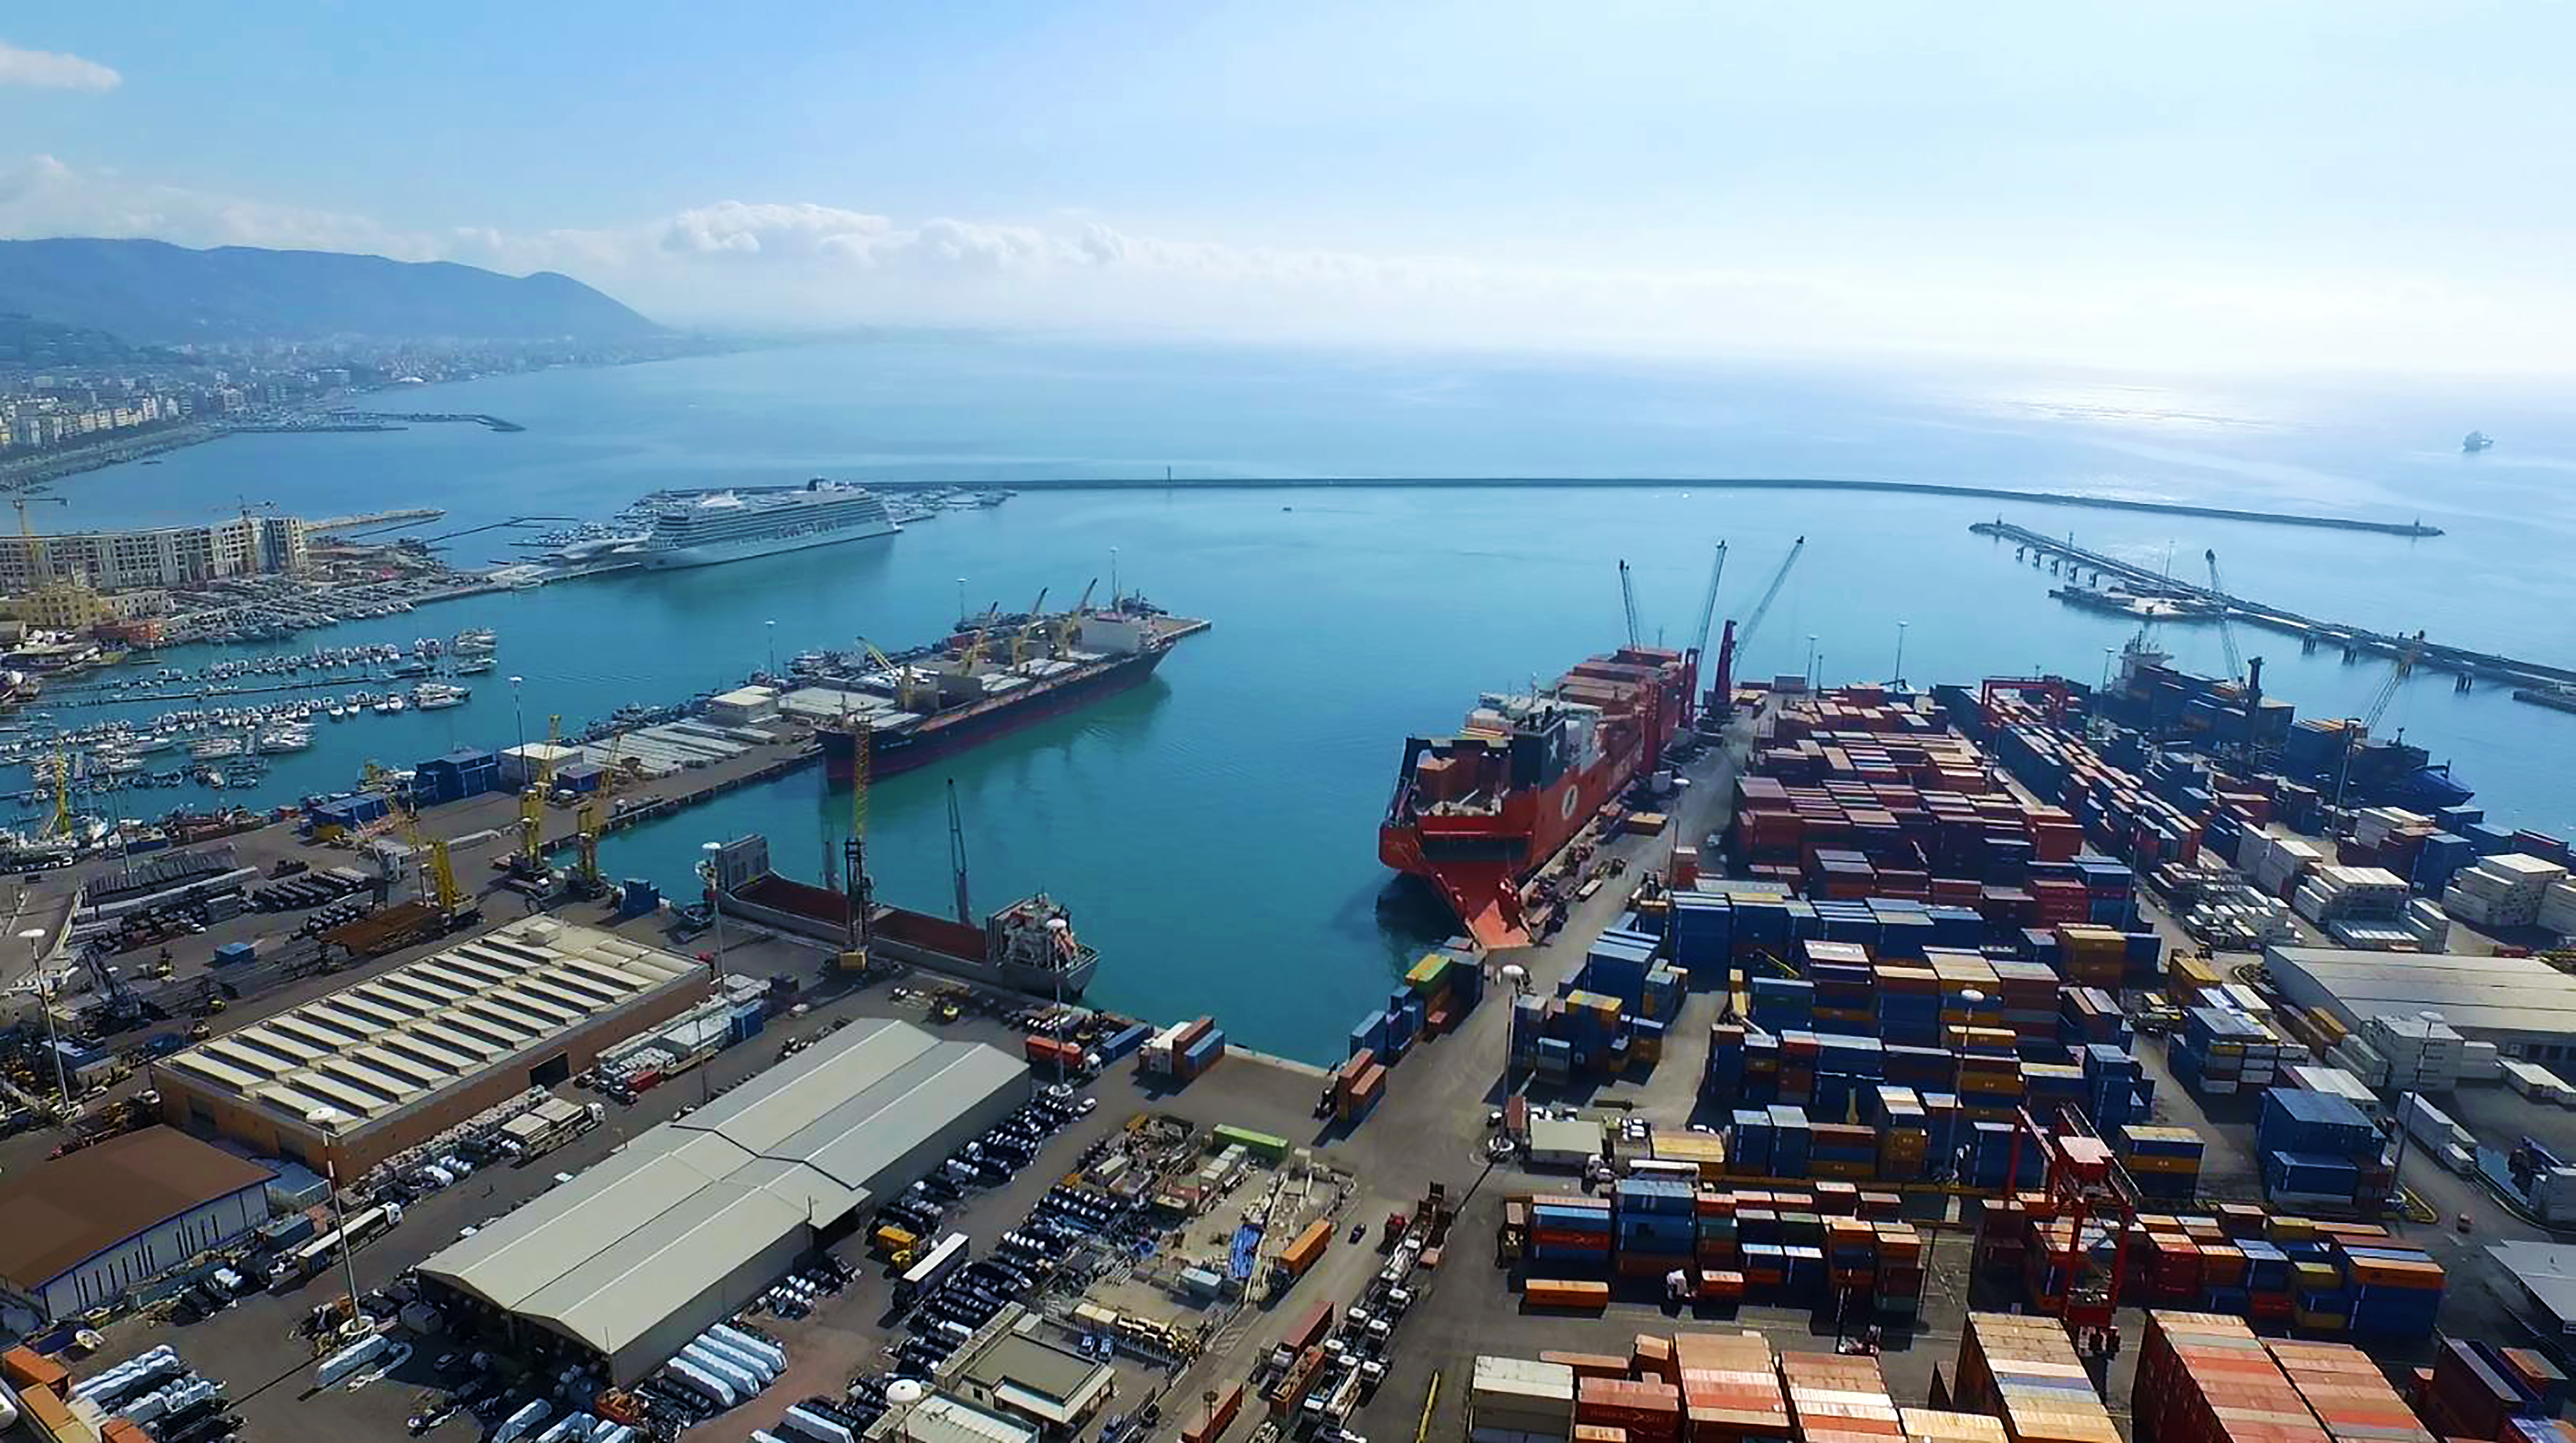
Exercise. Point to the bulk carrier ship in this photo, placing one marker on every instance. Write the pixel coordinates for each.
(985, 681)
(1479, 813)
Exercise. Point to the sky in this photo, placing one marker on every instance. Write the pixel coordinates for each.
(2351, 185)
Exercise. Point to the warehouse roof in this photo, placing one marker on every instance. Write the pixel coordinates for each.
(59, 1214)
(2478, 994)
(2547, 1271)
(371, 1049)
(604, 1258)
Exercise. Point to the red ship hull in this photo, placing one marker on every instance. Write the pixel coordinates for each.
(1478, 814)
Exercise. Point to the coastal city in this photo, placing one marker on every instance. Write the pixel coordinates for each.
(1254, 724)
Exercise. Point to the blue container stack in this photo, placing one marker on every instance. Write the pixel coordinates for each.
(1370, 1034)
(1703, 933)
(1789, 1141)
(1654, 1222)
(2117, 1090)
(1617, 966)
(1125, 1041)
(1781, 1002)
(1761, 925)
(1749, 1142)
(2317, 1148)
(2442, 856)
(1990, 1157)
(1571, 1230)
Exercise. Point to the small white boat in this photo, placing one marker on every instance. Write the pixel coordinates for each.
(438, 696)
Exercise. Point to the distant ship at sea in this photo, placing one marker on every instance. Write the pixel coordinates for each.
(725, 526)
(2476, 441)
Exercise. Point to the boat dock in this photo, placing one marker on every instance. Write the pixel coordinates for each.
(2060, 555)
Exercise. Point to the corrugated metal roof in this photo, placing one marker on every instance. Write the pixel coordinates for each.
(374, 1047)
(2479, 993)
(605, 1258)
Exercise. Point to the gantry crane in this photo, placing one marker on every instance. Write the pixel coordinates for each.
(1628, 601)
(1707, 615)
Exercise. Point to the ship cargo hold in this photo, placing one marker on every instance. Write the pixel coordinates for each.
(1479, 813)
(984, 682)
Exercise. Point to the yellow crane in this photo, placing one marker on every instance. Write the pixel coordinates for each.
(975, 648)
(591, 821)
(531, 858)
(61, 826)
(1028, 628)
(1069, 630)
(437, 873)
(902, 674)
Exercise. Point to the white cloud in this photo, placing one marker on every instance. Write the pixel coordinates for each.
(737, 262)
(46, 70)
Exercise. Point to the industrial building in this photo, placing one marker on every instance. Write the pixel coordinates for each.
(82, 1230)
(684, 1225)
(351, 1079)
(1011, 1372)
(2524, 1006)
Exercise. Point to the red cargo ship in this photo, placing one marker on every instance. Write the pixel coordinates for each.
(1478, 814)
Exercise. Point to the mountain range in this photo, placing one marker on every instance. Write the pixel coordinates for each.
(148, 291)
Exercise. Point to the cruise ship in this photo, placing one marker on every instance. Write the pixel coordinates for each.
(735, 526)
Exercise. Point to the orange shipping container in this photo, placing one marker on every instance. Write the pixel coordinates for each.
(1562, 1293)
(1308, 1246)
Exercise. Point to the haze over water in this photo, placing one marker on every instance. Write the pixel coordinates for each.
(1214, 831)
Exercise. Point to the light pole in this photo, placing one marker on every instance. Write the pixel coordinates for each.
(773, 648)
(518, 716)
(1900, 653)
(961, 602)
(715, 959)
(1972, 999)
(34, 937)
(2107, 654)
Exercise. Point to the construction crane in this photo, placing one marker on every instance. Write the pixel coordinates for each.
(35, 549)
(1027, 629)
(957, 856)
(854, 858)
(2352, 735)
(1771, 593)
(1707, 615)
(1628, 600)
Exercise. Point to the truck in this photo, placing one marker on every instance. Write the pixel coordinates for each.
(292, 1269)
(946, 1256)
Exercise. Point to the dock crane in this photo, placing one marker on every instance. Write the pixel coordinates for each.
(2247, 673)
(1739, 637)
(957, 856)
(529, 861)
(854, 858)
(437, 873)
(1027, 629)
(2352, 736)
(1069, 630)
(590, 822)
(1707, 615)
(1628, 600)
(900, 674)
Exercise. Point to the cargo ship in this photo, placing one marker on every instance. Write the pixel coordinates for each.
(1480, 813)
(1029, 946)
(987, 680)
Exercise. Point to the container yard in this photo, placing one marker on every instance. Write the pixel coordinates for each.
(1883, 1086)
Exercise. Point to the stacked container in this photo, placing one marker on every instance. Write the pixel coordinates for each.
(1571, 1230)
(1834, 1399)
(2221, 1052)
(1511, 1400)
(2164, 1162)
(2478, 1390)
(1728, 1386)
(2505, 890)
(1656, 1231)
(1647, 1411)
(2207, 1379)
(2024, 1371)
(2319, 1151)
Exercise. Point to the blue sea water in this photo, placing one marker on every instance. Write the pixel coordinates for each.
(1214, 830)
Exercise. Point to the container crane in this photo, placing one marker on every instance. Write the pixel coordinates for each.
(957, 856)
(530, 860)
(1628, 600)
(1069, 630)
(438, 873)
(1707, 615)
(901, 675)
(1027, 629)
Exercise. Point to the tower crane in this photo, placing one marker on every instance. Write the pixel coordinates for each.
(2352, 736)
(957, 856)
(1707, 613)
(1628, 600)
(854, 858)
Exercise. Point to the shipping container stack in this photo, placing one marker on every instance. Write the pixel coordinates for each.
(1835, 1399)
(1184, 1050)
(2024, 1371)
(1573, 1233)
(2164, 1162)
(2479, 1390)
(1448, 983)
(1730, 1390)
(2320, 1152)
(1359, 1085)
(1654, 1220)
(2221, 1052)
(2347, 1394)
(2204, 1378)
(1520, 1400)
(2505, 890)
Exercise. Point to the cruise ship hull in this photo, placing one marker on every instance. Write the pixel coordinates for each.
(717, 553)
(948, 733)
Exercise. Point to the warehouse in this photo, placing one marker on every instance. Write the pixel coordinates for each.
(351, 1079)
(1014, 1373)
(2524, 1006)
(696, 1217)
(81, 1231)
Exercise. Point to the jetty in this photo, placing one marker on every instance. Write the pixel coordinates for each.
(2061, 555)
(2415, 529)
